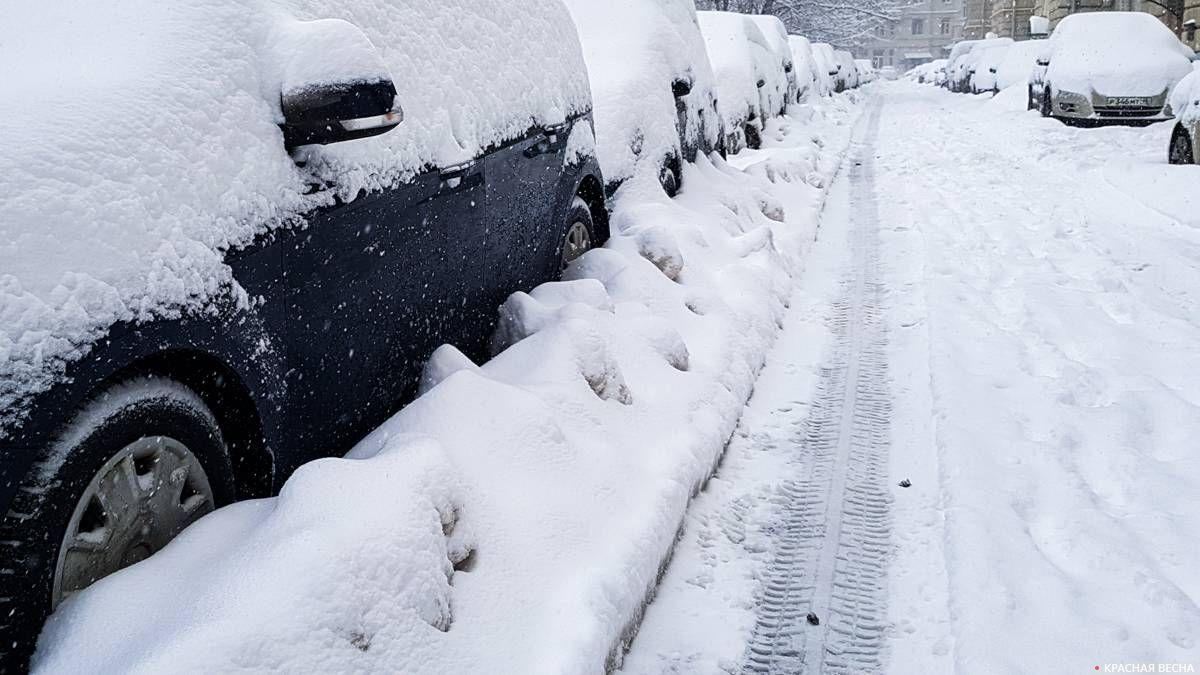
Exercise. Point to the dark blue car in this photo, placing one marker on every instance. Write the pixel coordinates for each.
(430, 163)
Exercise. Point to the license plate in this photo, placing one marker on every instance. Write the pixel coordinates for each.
(1130, 101)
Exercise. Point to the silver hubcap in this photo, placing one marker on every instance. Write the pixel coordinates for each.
(579, 241)
(138, 501)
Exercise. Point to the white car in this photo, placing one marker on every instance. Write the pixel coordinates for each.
(866, 71)
(847, 72)
(653, 87)
(777, 36)
(751, 82)
(984, 64)
(954, 82)
(826, 64)
(810, 81)
(1108, 67)
(1018, 63)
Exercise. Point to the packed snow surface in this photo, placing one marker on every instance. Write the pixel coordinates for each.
(1043, 349)
(635, 51)
(141, 142)
(514, 518)
(1115, 54)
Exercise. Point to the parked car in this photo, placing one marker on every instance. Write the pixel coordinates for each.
(866, 71)
(777, 38)
(984, 64)
(954, 66)
(1018, 63)
(750, 79)
(810, 81)
(227, 253)
(847, 72)
(889, 73)
(653, 86)
(1185, 105)
(826, 62)
(1108, 67)
(966, 66)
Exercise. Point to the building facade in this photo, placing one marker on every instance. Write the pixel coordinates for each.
(924, 32)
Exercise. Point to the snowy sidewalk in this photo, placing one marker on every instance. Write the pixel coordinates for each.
(1035, 311)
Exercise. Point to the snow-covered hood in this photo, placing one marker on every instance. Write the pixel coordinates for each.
(1116, 54)
(141, 141)
(635, 50)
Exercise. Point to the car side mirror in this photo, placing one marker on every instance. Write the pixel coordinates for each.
(1043, 62)
(681, 87)
(339, 111)
(787, 67)
(334, 85)
(761, 83)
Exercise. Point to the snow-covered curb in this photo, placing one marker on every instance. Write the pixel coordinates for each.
(564, 465)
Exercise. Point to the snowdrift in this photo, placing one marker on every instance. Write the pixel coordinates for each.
(514, 518)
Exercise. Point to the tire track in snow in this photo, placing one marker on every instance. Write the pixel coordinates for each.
(833, 526)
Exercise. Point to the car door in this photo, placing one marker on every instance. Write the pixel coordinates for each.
(375, 285)
(522, 235)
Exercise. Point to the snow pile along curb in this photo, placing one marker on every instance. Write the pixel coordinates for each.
(563, 466)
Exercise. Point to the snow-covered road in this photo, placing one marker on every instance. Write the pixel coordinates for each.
(1005, 313)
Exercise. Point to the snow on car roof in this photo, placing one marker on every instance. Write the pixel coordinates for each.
(141, 141)
(1116, 53)
(635, 50)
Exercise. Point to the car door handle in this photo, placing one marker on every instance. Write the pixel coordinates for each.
(460, 177)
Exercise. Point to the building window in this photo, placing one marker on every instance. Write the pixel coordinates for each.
(945, 27)
(918, 26)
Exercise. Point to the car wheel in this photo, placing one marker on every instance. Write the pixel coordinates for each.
(753, 137)
(669, 176)
(579, 236)
(143, 462)
(1181, 147)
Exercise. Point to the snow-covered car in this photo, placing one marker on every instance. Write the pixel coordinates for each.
(777, 37)
(866, 71)
(1185, 106)
(954, 66)
(888, 73)
(751, 83)
(231, 246)
(1018, 63)
(654, 91)
(809, 80)
(847, 72)
(1108, 67)
(984, 64)
(968, 65)
(826, 65)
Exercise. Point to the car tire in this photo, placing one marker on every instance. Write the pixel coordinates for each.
(1180, 151)
(753, 136)
(670, 176)
(146, 426)
(579, 234)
